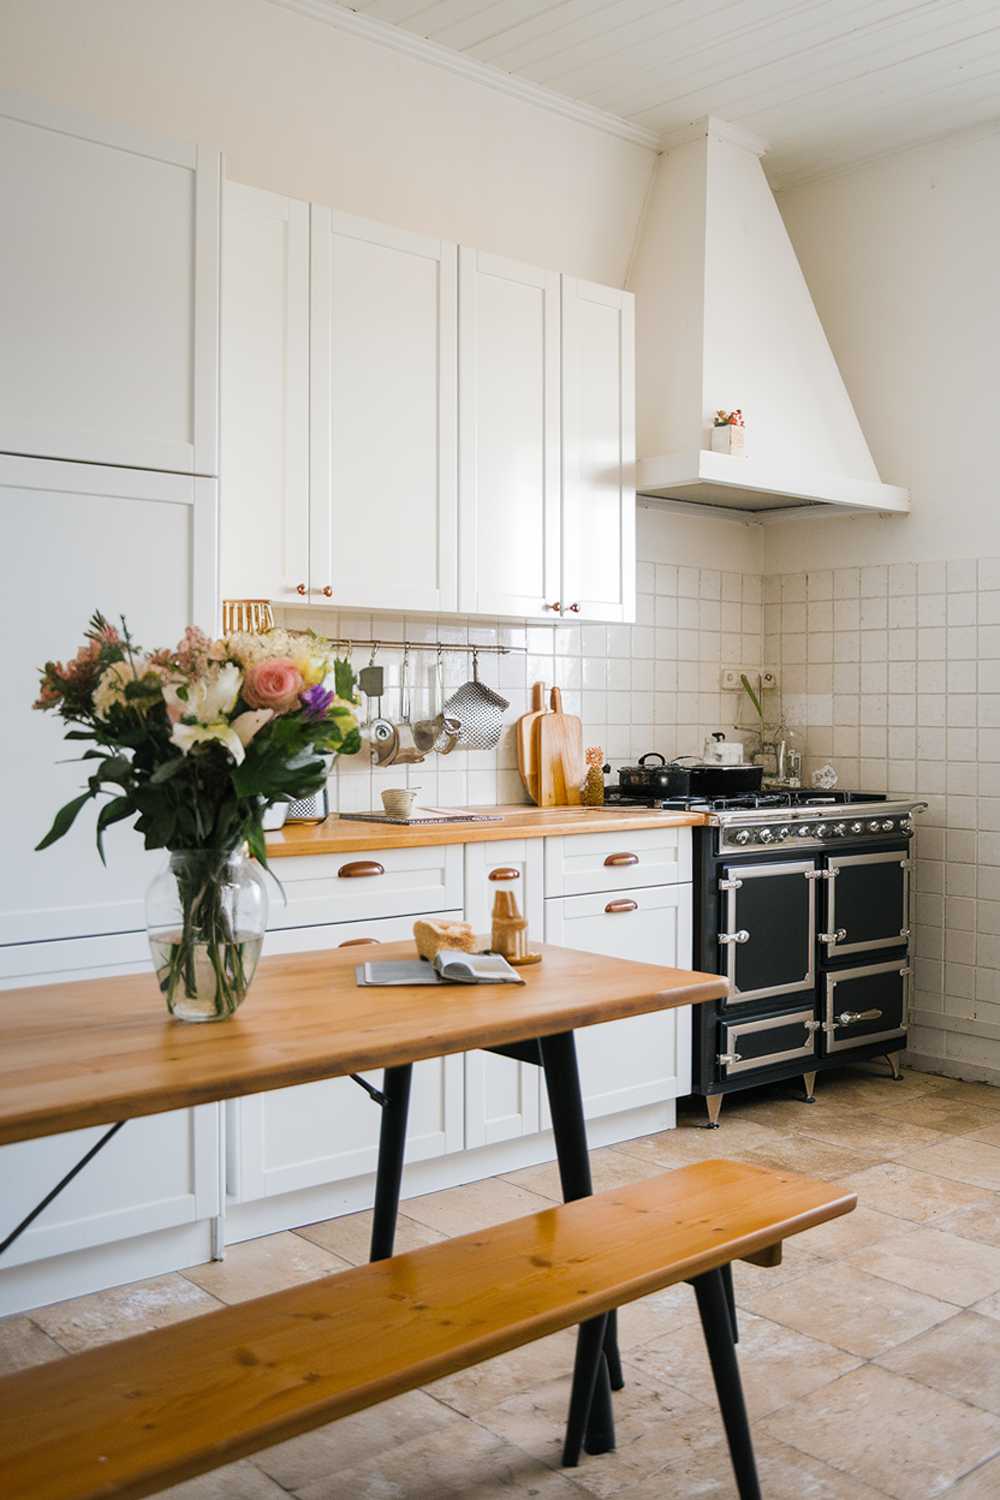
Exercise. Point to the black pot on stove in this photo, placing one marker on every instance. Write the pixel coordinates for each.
(687, 777)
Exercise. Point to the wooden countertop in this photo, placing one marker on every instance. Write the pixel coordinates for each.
(93, 1051)
(342, 836)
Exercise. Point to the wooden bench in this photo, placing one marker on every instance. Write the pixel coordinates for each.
(136, 1416)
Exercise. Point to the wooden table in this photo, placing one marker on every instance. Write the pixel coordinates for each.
(101, 1052)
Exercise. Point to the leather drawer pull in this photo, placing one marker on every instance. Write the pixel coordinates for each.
(360, 867)
(505, 872)
(357, 942)
(622, 859)
(614, 906)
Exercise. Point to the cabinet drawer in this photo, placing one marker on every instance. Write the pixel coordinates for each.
(865, 1004)
(617, 861)
(766, 1040)
(379, 883)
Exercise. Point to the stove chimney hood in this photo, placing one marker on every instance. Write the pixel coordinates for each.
(725, 320)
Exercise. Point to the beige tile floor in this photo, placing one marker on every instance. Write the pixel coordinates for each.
(871, 1357)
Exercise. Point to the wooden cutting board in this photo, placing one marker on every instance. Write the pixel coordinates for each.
(525, 738)
(559, 756)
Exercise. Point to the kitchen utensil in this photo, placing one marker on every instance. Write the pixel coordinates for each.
(398, 801)
(479, 711)
(524, 738)
(721, 781)
(371, 681)
(559, 755)
(384, 739)
(655, 780)
(408, 751)
(723, 752)
(441, 732)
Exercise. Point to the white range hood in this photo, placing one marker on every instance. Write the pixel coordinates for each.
(725, 319)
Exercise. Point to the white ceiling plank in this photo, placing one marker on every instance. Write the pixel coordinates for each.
(509, 45)
(537, 57)
(393, 11)
(436, 16)
(465, 34)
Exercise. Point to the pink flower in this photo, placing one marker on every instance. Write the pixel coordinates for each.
(273, 684)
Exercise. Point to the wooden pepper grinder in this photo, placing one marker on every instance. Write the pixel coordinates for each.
(510, 931)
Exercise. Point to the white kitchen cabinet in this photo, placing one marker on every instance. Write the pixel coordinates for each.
(644, 1059)
(598, 456)
(109, 285)
(509, 474)
(318, 1133)
(502, 1096)
(264, 499)
(383, 416)
(82, 536)
(320, 889)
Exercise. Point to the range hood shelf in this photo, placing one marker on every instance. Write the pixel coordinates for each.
(719, 479)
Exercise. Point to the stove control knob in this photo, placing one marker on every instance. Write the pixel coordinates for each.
(857, 828)
(782, 834)
(765, 836)
(742, 837)
(839, 830)
(888, 825)
(822, 830)
(906, 825)
(874, 826)
(805, 831)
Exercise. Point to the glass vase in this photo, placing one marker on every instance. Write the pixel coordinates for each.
(206, 914)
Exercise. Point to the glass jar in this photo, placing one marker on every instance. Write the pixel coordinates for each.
(206, 915)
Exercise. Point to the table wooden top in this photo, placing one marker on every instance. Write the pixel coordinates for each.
(93, 1051)
(345, 836)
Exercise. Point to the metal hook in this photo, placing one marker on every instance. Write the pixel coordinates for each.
(375, 646)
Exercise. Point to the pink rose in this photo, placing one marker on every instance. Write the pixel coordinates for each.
(273, 684)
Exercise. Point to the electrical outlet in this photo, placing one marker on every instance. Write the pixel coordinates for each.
(769, 679)
(730, 680)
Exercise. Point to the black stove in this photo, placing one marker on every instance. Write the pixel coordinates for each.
(771, 798)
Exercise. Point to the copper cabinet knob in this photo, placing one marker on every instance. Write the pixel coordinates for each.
(574, 609)
(614, 860)
(357, 942)
(327, 591)
(300, 588)
(505, 872)
(557, 606)
(614, 906)
(360, 867)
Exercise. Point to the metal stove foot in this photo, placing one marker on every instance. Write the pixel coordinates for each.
(809, 1084)
(713, 1103)
(892, 1058)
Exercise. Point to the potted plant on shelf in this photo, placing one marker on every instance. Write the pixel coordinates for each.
(194, 743)
(728, 432)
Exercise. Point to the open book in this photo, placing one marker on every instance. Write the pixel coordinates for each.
(451, 966)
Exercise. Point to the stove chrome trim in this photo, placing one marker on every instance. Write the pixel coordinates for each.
(901, 967)
(838, 862)
(737, 1029)
(758, 872)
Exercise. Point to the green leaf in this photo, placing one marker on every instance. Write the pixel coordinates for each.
(167, 769)
(748, 689)
(343, 678)
(112, 812)
(64, 820)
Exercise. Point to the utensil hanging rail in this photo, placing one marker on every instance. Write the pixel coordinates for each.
(387, 645)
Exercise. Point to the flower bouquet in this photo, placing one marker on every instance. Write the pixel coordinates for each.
(194, 743)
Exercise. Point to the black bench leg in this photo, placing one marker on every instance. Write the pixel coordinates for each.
(727, 1282)
(562, 1081)
(585, 1370)
(391, 1150)
(716, 1323)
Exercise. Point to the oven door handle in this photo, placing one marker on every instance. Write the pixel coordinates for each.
(853, 1017)
(735, 937)
(833, 937)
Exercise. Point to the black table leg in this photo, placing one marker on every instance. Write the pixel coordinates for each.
(717, 1325)
(391, 1150)
(562, 1081)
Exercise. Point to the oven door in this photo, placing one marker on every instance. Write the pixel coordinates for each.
(766, 1041)
(867, 902)
(768, 928)
(865, 1004)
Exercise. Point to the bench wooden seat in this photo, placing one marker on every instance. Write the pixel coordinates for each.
(136, 1416)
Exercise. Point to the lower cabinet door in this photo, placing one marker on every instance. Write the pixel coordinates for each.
(315, 1133)
(644, 1059)
(765, 1041)
(767, 936)
(502, 1096)
(865, 1004)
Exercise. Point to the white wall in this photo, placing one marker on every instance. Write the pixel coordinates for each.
(304, 109)
(888, 631)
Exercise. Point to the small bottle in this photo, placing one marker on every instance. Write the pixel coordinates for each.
(592, 794)
(510, 929)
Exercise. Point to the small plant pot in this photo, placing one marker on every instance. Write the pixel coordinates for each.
(728, 439)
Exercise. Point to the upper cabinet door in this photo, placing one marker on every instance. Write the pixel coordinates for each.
(509, 437)
(598, 511)
(383, 423)
(264, 533)
(109, 292)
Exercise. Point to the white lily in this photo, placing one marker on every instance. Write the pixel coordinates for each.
(250, 723)
(209, 697)
(186, 736)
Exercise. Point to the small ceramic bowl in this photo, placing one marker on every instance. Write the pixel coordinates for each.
(398, 801)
